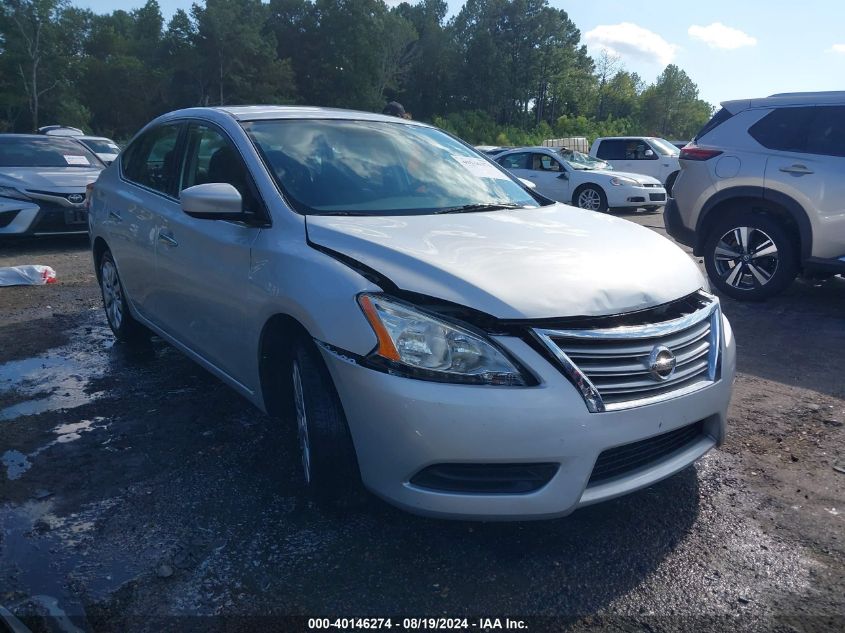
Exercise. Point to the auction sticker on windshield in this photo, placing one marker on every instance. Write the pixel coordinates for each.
(76, 160)
(480, 167)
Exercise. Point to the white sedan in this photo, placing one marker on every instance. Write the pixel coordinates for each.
(579, 180)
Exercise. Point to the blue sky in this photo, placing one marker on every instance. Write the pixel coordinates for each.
(732, 49)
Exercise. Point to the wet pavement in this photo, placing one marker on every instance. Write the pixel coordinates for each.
(137, 492)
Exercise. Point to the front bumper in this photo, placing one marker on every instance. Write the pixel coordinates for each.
(22, 218)
(400, 426)
(629, 196)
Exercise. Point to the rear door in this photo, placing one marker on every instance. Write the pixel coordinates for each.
(203, 265)
(807, 164)
(148, 171)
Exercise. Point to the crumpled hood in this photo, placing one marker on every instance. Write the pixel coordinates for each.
(525, 264)
(57, 179)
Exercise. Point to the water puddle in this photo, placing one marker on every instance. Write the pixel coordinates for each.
(59, 378)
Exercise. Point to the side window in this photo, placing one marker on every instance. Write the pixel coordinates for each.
(784, 129)
(515, 161)
(639, 150)
(611, 150)
(151, 160)
(544, 162)
(211, 157)
(826, 135)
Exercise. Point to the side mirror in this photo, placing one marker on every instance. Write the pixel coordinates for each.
(212, 201)
(528, 183)
(564, 176)
(648, 153)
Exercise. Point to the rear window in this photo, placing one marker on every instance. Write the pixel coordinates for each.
(717, 119)
(45, 151)
(784, 129)
(826, 135)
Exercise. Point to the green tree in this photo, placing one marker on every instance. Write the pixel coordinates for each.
(671, 108)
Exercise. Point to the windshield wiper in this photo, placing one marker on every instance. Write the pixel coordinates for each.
(472, 208)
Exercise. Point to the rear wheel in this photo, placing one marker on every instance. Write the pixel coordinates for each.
(592, 198)
(329, 464)
(121, 321)
(750, 257)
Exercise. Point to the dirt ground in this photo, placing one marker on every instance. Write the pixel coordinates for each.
(137, 493)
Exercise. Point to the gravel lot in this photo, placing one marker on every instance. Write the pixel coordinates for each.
(136, 491)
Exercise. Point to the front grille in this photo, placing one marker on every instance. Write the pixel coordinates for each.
(657, 197)
(652, 184)
(54, 218)
(631, 365)
(619, 461)
(485, 478)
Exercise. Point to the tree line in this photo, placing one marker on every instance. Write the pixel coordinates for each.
(500, 71)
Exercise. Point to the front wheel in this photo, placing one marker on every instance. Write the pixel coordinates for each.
(750, 257)
(591, 198)
(329, 464)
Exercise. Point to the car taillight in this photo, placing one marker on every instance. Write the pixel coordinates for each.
(693, 152)
(89, 191)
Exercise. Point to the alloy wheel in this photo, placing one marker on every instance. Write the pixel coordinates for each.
(746, 258)
(112, 294)
(301, 422)
(589, 199)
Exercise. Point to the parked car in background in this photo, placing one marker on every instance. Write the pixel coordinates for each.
(574, 178)
(432, 328)
(680, 144)
(761, 194)
(490, 150)
(105, 148)
(43, 183)
(649, 155)
(60, 130)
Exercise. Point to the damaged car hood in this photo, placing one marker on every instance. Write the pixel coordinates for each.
(553, 261)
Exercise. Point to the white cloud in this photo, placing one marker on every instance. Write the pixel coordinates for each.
(717, 35)
(838, 48)
(631, 40)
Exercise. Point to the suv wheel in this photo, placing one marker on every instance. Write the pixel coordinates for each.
(121, 322)
(591, 198)
(750, 257)
(329, 465)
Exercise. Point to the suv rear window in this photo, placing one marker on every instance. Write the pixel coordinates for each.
(826, 135)
(716, 120)
(784, 129)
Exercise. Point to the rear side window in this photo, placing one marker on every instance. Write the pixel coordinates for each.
(784, 129)
(151, 161)
(826, 135)
(515, 161)
(720, 117)
(612, 149)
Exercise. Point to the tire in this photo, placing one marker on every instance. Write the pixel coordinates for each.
(750, 256)
(670, 182)
(590, 197)
(329, 464)
(126, 329)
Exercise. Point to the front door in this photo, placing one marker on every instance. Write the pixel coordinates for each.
(203, 265)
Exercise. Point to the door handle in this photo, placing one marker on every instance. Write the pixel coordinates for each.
(797, 169)
(114, 215)
(167, 238)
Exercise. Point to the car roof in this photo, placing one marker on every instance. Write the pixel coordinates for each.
(40, 136)
(832, 97)
(270, 112)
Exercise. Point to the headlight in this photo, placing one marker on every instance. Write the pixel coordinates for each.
(420, 345)
(11, 192)
(621, 180)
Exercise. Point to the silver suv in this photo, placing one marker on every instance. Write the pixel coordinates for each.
(761, 193)
(432, 327)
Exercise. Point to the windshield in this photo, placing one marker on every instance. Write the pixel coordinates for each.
(578, 160)
(664, 148)
(45, 151)
(377, 168)
(100, 145)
